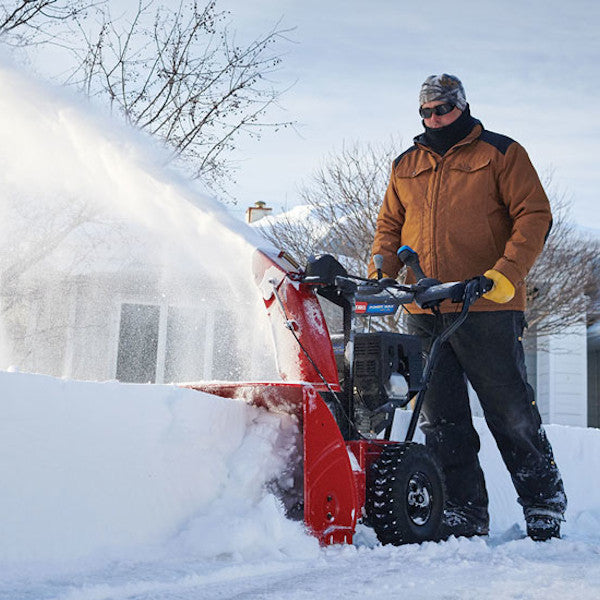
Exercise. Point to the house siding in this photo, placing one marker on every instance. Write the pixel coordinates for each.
(557, 371)
(562, 377)
(594, 388)
(544, 385)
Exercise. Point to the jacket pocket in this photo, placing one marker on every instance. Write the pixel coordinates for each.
(407, 172)
(471, 167)
(413, 184)
(469, 187)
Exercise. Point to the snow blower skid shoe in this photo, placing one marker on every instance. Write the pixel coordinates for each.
(345, 401)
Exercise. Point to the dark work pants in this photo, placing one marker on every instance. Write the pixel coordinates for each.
(487, 350)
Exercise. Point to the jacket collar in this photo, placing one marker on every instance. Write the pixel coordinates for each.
(471, 137)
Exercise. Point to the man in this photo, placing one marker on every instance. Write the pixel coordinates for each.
(470, 202)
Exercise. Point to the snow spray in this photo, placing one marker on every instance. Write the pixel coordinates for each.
(111, 264)
(115, 267)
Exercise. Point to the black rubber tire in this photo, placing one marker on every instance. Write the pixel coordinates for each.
(405, 495)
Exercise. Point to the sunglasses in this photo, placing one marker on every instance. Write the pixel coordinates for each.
(441, 109)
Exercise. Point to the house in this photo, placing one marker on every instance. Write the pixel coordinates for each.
(116, 301)
(557, 371)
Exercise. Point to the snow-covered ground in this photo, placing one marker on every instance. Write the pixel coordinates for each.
(113, 491)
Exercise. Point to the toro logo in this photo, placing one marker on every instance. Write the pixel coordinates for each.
(360, 307)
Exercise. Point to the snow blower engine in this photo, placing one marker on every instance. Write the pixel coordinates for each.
(345, 390)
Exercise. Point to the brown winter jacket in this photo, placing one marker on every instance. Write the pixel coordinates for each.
(481, 206)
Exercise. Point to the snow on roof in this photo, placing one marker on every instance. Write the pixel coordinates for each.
(295, 217)
(309, 219)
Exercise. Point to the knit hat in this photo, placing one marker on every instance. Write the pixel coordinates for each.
(443, 87)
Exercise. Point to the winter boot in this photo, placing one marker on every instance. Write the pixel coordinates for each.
(541, 528)
(461, 522)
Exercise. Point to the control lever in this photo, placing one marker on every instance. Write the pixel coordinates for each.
(378, 262)
(411, 259)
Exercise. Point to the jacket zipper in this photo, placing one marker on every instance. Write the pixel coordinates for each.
(437, 170)
(437, 181)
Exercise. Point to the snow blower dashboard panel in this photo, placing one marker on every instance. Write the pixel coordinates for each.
(375, 308)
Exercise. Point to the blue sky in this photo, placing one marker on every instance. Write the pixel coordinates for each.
(530, 70)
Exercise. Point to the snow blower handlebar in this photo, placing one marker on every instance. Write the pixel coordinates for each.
(385, 295)
(388, 295)
(426, 293)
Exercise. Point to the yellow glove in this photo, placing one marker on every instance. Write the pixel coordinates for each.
(383, 276)
(503, 289)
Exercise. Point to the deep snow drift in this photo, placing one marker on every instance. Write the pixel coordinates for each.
(139, 491)
(108, 471)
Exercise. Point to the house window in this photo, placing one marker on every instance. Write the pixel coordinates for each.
(229, 361)
(189, 345)
(138, 343)
(173, 344)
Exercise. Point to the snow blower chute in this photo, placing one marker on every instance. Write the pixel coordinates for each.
(345, 401)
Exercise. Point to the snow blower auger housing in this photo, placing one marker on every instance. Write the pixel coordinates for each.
(345, 401)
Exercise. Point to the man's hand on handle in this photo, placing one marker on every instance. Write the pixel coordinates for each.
(503, 290)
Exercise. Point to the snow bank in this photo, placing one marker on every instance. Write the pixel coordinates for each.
(577, 453)
(98, 472)
(105, 471)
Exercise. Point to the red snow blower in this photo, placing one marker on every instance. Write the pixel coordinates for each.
(345, 401)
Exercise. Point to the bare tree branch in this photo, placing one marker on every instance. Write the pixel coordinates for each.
(564, 283)
(180, 75)
(34, 22)
(342, 199)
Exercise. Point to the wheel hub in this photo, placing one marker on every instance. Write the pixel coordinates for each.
(419, 500)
